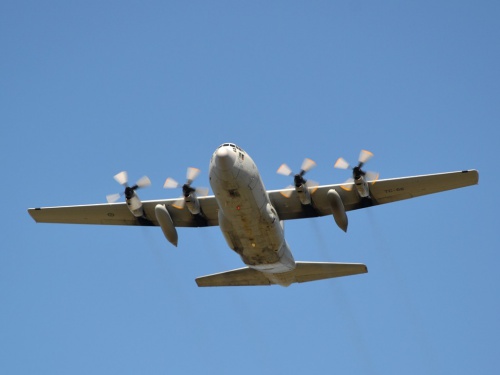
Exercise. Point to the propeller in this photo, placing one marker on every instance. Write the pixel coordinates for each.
(298, 178)
(357, 172)
(187, 189)
(122, 179)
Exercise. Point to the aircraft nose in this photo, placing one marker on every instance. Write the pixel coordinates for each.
(224, 158)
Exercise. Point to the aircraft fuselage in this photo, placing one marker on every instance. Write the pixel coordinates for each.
(247, 218)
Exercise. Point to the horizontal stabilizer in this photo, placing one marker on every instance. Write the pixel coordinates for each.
(239, 277)
(304, 272)
(311, 271)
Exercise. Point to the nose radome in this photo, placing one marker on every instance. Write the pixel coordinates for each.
(224, 158)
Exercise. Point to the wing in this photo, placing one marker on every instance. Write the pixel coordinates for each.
(383, 191)
(119, 214)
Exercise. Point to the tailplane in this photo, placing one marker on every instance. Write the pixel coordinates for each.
(303, 272)
(311, 271)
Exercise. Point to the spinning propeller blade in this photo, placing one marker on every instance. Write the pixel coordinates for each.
(312, 185)
(170, 183)
(307, 165)
(357, 172)
(179, 203)
(372, 176)
(348, 185)
(284, 170)
(143, 182)
(364, 156)
(191, 174)
(341, 164)
(201, 191)
(111, 198)
(122, 179)
(287, 193)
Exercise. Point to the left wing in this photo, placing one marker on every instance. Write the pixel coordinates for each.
(381, 192)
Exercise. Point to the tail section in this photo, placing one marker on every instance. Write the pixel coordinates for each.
(303, 272)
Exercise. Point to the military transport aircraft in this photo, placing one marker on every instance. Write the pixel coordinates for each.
(251, 218)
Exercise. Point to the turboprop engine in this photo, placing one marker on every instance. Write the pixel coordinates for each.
(189, 194)
(134, 204)
(359, 177)
(300, 184)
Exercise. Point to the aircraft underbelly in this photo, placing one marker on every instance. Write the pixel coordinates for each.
(256, 240)
(249, 223)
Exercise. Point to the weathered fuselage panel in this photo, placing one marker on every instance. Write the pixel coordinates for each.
(247, 218)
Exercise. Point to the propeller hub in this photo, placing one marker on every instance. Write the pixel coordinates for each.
(299, 180)
(129, 192)
(357, 172)
(187, 189)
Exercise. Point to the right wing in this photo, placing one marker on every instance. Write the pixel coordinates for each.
(119, 214)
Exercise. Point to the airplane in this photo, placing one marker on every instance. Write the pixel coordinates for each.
(251, 218)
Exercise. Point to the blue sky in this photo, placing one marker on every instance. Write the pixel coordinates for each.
(88, 89)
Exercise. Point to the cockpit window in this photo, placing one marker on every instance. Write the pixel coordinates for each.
(231, 145)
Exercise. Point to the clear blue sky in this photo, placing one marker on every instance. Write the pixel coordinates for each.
(90, 88)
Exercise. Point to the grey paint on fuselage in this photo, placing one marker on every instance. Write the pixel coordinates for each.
(247, 219)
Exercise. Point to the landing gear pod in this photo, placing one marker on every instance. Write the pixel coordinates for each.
(338, 209)
(166, 224)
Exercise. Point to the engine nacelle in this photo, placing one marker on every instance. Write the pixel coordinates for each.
(134, 204)
(192, 203)
(362, 187)
(338, 209)
(303, 193)
(166, 224)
